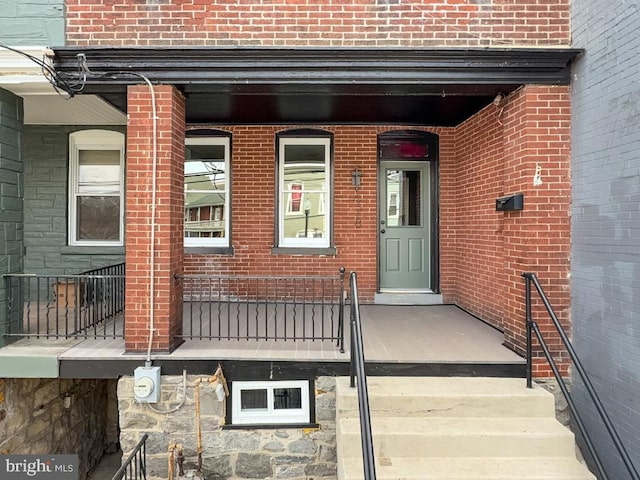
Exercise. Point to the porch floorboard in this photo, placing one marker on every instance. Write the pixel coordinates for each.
(406, 334)
(436, 339)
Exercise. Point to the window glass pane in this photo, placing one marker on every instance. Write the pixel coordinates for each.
(204, 175)
(284, 398)
(98, 218)
(253, 399)
(204, 214)
(206, 186)
(404, 149)
(99, 171)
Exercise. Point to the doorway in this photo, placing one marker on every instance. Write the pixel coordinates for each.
(407, 213)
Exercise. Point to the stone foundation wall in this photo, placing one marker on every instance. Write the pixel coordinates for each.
(40, 416)
(265, 453)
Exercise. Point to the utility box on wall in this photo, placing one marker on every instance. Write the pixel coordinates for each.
(510, 202)
(146, 384)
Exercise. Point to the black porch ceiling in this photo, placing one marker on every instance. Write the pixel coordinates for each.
(305, 85)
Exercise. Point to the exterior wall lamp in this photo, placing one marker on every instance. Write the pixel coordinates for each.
(355, 178)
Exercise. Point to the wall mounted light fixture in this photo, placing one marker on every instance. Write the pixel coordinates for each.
(355, 178)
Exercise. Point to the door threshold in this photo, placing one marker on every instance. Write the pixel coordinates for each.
(407, 298)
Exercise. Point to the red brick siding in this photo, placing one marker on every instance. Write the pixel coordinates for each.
(254, 209)
(497, 152)
(418, 23)
(169, 217)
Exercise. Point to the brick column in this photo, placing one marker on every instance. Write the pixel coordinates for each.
(169, 218)
(537, 124)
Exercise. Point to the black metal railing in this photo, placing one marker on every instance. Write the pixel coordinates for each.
(357, 370)
(66, 306)
(264, 308)
(135, 466)
(532, 327)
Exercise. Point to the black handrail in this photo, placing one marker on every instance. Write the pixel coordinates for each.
(532, 326)
(135, 466)
(357, 369)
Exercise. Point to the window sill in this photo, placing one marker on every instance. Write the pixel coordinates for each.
(209, 251)
(255, 426)
(304, 251)
(92, 250)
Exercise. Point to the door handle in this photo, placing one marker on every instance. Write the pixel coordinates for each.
(382, 231)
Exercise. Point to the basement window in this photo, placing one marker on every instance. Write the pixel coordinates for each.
(271, 403)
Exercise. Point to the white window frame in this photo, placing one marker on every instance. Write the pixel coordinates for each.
(324, 193)
(214, 241)
(93, 140)
(270, 416)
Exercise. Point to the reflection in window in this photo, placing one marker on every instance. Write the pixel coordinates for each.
(206, 191)
(96, 187)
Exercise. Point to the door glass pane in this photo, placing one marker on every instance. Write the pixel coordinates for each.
(253, 399)
(403, 198)
(287, 398)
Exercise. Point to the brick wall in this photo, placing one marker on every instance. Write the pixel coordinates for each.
(11, 191)
(606, 220)
(253, 205)
(496, 153)
(418, 23)
(482, 252)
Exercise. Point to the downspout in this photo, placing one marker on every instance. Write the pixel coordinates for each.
(152, 246)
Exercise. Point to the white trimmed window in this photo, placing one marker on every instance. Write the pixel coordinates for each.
(274, 403)
(206, 192)
(96, 188)
(304, 177)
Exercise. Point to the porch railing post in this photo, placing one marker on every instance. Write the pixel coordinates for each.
(341, 311)
(528, 322)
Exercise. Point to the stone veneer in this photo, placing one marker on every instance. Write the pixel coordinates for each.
(266, 453)
(50, 416)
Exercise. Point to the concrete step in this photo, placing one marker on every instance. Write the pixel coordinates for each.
(459, 468)
(456, 428)
(458, 437)
(447, 397)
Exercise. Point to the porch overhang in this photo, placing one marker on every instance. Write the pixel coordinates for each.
(318, 85)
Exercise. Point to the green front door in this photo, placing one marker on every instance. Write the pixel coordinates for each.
(404, 226)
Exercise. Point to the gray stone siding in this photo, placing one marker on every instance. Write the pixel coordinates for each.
(266, 453)
(606, 218)
(11, 192)
(50, 416)
(46, 163)
(32, 22)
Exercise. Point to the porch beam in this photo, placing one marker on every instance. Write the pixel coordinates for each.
(291, 69)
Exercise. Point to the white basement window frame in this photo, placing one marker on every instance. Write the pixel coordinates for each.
(101, 153)
(270, 413)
